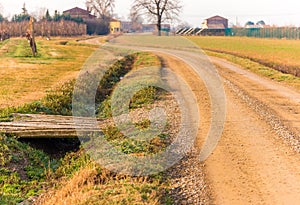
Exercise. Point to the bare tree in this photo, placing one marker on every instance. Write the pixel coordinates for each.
(136, 20)
(103, 8)
(183, 24)
(160, 10)
(39, 14)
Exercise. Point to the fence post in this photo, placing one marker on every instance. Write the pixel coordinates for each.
(32, 39)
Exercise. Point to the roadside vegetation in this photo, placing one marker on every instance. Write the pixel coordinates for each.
(79, 180)
(268, 54)
(24, 171)
(260, 69)
(27, 172)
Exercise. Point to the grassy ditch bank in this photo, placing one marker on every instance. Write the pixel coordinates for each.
(29, 174)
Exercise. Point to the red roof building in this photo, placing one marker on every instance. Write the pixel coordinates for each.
(79, 13)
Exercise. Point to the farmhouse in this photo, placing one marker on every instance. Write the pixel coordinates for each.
(215, 22)
(79, 13)
(214, 26)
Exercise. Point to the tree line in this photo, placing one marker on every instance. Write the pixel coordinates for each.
(56, 25)
(158, 11)
(44, 28)
(25, 16)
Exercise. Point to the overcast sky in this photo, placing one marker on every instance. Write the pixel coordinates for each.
(277, 12)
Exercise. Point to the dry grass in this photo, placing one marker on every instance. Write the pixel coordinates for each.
(287, 79)
(91, 186)
(80, 180)
(24, 79)
(282, 55)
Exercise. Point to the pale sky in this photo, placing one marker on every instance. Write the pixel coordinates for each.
(277, 12)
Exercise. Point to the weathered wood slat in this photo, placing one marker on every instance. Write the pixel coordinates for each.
(56, 126)
(42, 125)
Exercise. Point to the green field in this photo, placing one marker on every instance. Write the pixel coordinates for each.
(279, 54)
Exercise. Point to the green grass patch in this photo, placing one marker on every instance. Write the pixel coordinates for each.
(2, 43)
(144, 97)
(23, 171)
(146, 59)
(131, 146)
(120, 70)
(71, 163)
(19, 49)
(56, 102)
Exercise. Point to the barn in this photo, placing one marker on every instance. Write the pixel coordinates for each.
(215, 22)
(214, 26)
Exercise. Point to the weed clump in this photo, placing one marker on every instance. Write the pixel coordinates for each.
(23, 171)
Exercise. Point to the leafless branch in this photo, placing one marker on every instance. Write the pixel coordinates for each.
(103, 8)
(160, 10)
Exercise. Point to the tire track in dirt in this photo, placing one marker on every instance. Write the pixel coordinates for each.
(251, 164)
(188, 176)
(277, 104)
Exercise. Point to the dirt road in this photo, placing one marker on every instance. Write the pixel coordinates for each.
(256, 161)
(257, 158)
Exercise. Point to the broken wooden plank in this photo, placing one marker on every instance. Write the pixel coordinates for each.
(54, 126)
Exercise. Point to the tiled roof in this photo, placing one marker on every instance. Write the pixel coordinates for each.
(216, 17)
(77, 10)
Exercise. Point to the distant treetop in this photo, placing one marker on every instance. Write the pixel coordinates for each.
(261, 22)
